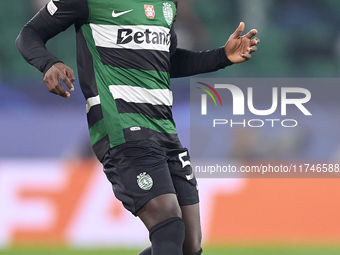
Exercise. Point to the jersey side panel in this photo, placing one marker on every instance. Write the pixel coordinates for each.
(109, 124)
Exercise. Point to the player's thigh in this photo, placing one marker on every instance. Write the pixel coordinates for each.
(193, 233)
(159, 209)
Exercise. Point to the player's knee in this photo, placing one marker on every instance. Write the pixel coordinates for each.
(193, 240)
(192, 246)
(192, 243)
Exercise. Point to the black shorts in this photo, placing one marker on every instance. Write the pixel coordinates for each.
(142, 170)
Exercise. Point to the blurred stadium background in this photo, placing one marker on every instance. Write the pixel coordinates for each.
(53, 193)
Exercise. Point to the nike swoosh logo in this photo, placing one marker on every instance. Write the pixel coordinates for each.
(115, 15)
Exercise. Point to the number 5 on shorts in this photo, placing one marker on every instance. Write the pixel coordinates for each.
(186, 163)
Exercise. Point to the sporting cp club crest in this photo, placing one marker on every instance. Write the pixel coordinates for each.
(144, 181)
(149, 11)
(168, 13)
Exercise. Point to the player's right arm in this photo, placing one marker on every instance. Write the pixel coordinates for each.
(54, 18)
(237, 50)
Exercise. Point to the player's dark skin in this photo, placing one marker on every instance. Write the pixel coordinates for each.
(238, 49)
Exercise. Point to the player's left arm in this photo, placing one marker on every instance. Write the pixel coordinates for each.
(238, 49)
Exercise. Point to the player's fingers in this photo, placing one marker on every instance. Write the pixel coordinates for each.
(247, 56)
(251, 33)
(61, 91)
(238, 32)
(54, 91)
(252, 49)
(70, 75)
(68, 82)
(255, 41)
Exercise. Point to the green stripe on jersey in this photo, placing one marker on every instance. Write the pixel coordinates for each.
(135, 119)
(97, 131)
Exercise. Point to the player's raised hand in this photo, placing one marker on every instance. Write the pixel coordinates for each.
(239, 48)
(57, 72)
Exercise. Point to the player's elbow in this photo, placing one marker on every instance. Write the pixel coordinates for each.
(25, 38)
(17, 41)
(20, 40)
(19, 44)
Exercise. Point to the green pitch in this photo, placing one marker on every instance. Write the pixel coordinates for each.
(207, 251)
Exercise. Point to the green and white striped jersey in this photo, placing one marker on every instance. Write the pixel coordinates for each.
(129, 43)
(126, 50)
